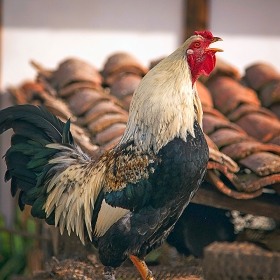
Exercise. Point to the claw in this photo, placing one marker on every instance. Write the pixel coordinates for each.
(142, 268)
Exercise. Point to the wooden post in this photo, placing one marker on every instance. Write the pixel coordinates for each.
(7, 209)
(196, 16)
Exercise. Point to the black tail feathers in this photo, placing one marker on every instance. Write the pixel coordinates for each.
(32, 122)
(27, 158)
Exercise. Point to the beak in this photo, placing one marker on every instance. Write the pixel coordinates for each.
(215, 39)
(214, 50)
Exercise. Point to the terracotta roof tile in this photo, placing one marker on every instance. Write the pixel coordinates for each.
(120, 63)
(275, 140)
(71, 88)
(241, 150)
(83, 99)
(114, 131)
(204, 95)
(228, 94)
(275, 108)
(268, 86)
(245, 109)
(260, 126)
(226, 136)
(106, 120)
(262, 163)
(104, 107)
(124, 87)
(259, 74)
(75, 70)
(212, 123)
(213, 112)
(270, 94)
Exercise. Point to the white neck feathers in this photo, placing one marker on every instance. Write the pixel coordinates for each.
(164, 106)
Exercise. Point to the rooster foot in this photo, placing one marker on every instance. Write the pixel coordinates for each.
(142, 268)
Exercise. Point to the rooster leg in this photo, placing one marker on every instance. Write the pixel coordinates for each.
(142, 268)
(109, 273)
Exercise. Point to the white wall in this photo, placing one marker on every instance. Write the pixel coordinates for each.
(49, 31)
(250, 30)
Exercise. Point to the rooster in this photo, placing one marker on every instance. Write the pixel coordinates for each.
(126, 202)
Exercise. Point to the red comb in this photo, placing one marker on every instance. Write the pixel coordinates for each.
(205, 34)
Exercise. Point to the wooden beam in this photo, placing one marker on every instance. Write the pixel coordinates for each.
(196, 16)
(267, 205)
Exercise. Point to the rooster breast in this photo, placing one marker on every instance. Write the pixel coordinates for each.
(178, 174)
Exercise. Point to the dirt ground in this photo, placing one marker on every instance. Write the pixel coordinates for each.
(190, 269)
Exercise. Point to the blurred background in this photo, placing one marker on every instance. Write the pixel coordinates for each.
(46, 31)
(50, 31)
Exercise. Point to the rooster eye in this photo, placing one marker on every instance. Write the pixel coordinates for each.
(196, 44)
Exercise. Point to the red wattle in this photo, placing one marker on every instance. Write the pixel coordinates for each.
(209, 63)
(204, 66)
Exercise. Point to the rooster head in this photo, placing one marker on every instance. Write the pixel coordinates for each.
(200, 57)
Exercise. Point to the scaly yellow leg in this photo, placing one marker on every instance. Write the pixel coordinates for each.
(142, 268)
